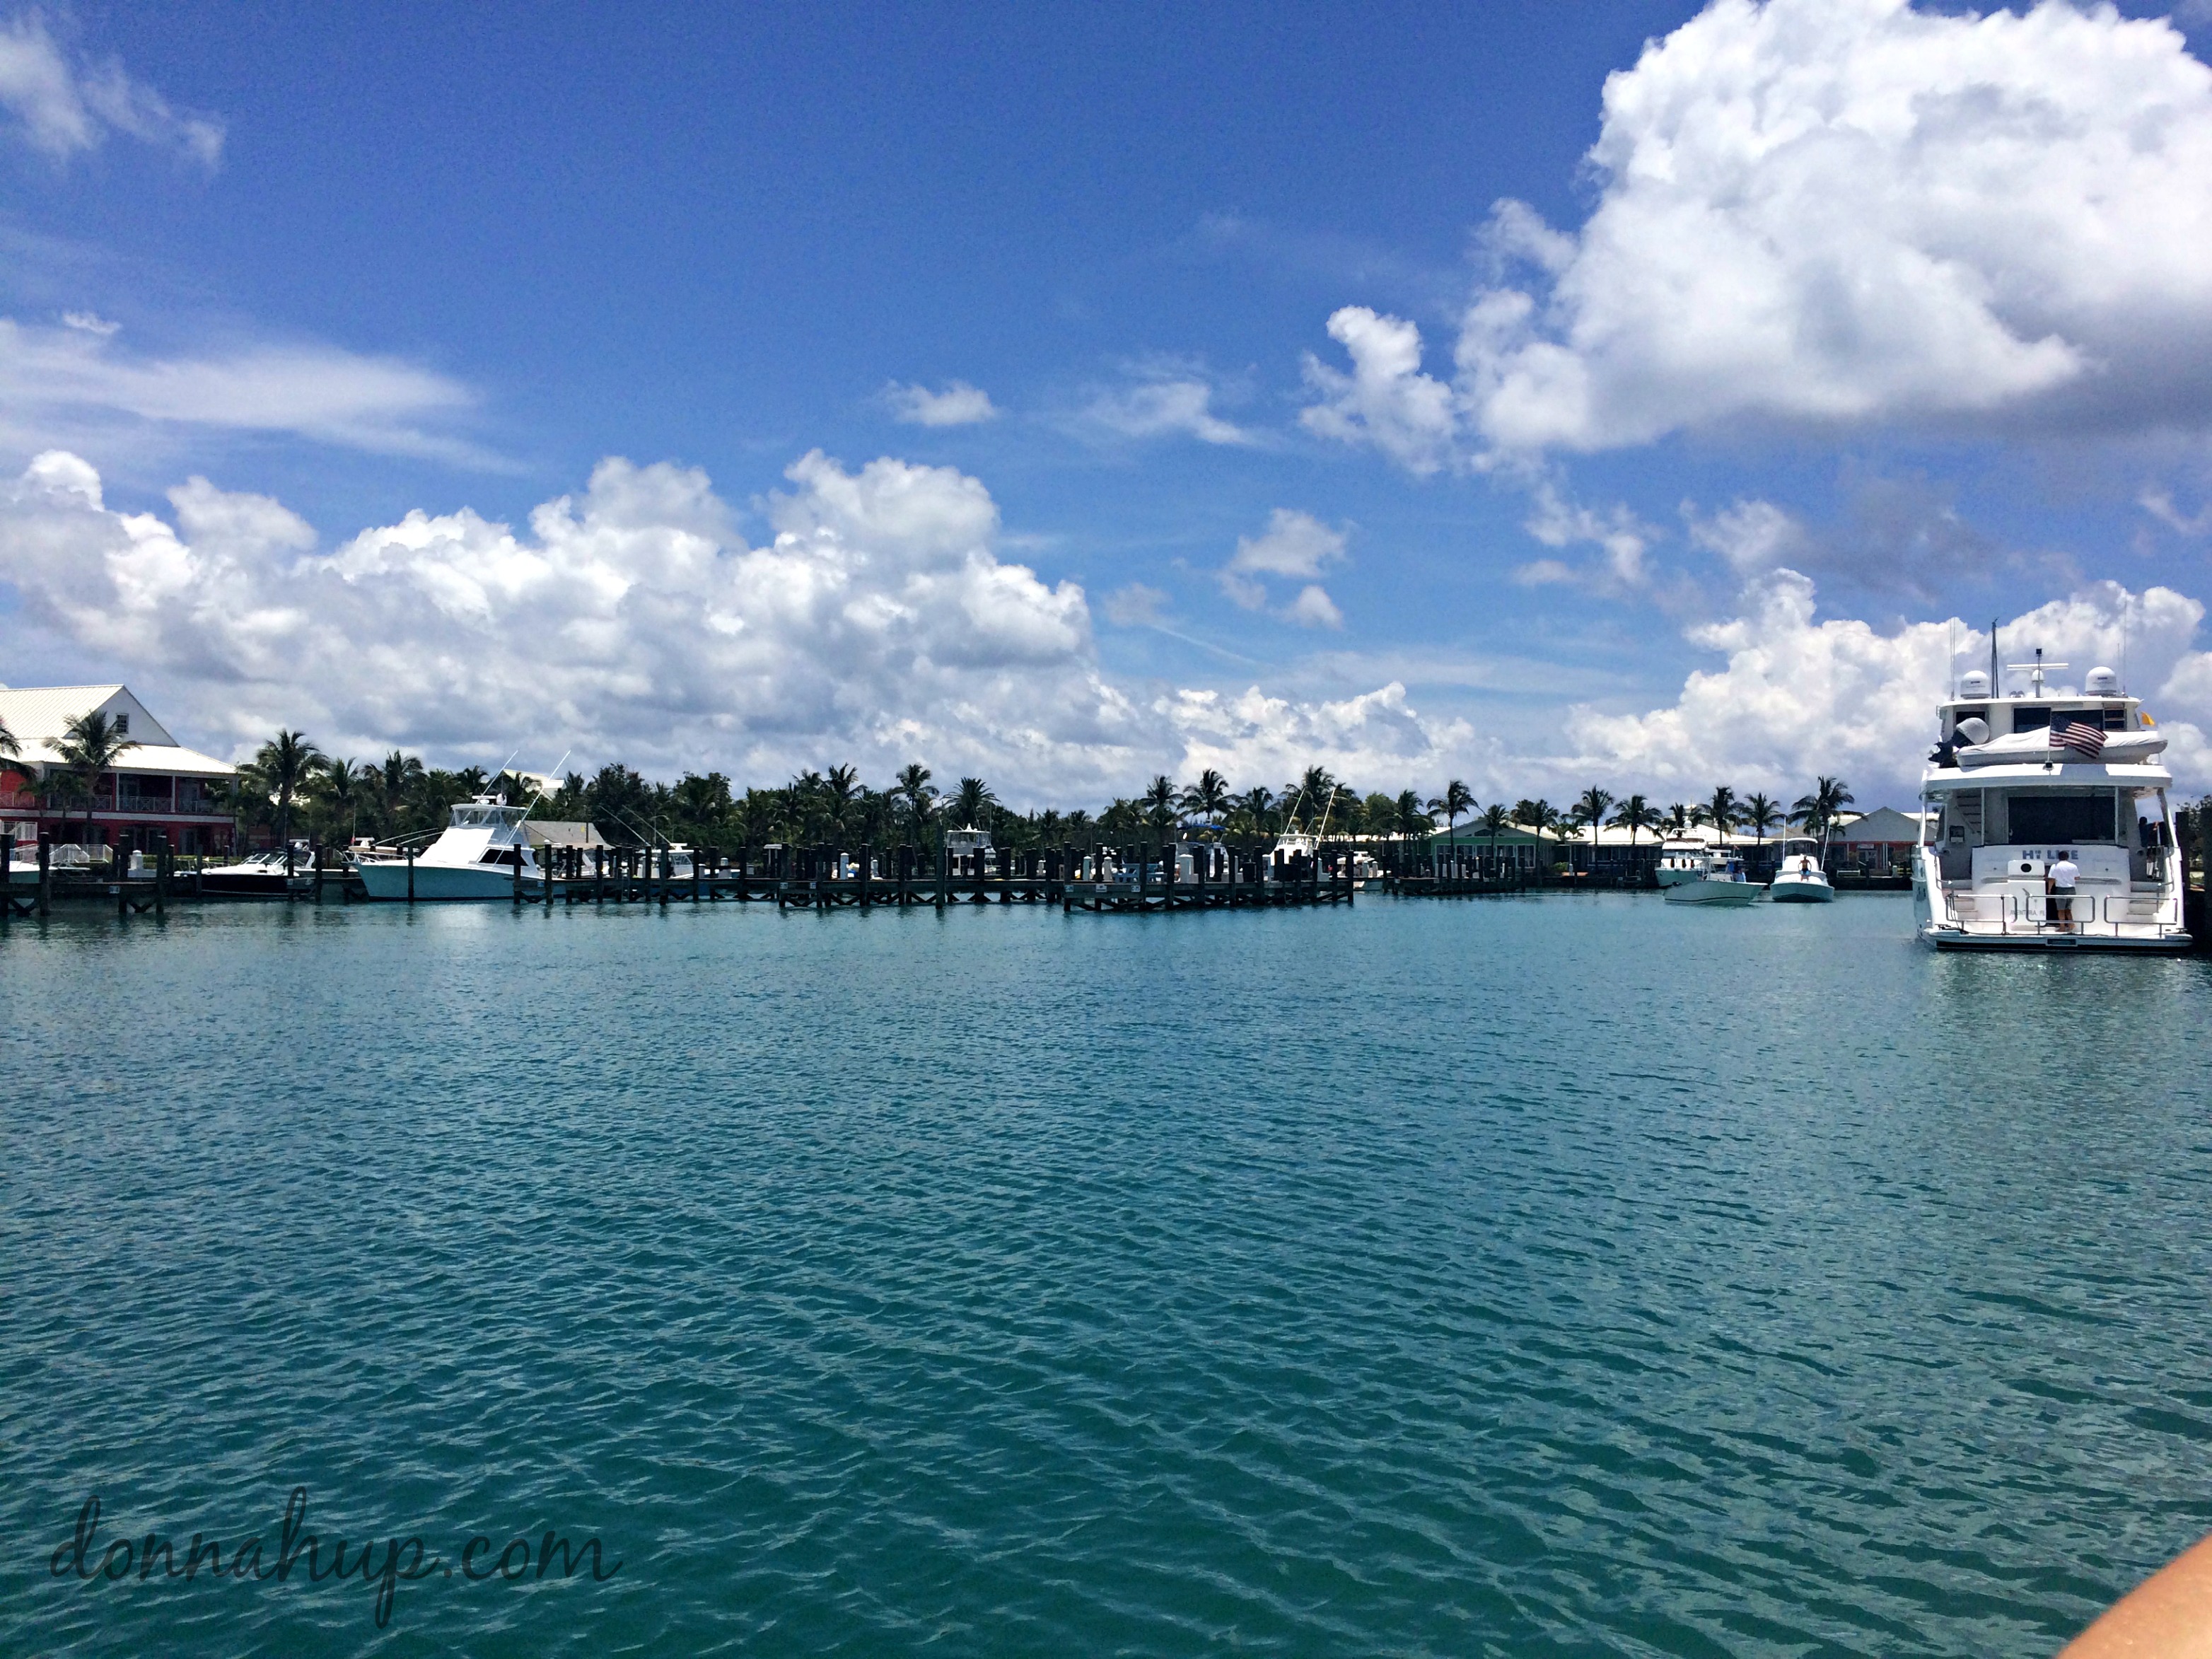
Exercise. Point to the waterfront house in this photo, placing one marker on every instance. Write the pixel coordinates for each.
(158, 787)
(1877, 843)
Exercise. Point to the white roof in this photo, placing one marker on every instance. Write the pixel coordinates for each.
(39, 716)
(1882, 824)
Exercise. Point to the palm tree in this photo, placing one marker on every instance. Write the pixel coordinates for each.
(1455, 803)
(1158, 801)
(397, 780)
(8, 746)
(1817, 811)
(1312, 796)
(90, 744)
(1259, 801)
(1677, 822)
(1589, 813)
(1721, 811)
(341, 785)
(1634, 814)
(1760, 815)
(1207, 798)
(1411, 821)
(284, 766)
(839, 795)
(919, 795)
(1538, 817)
(1496, 821)
(973, 803)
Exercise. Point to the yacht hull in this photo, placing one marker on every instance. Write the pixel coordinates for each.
(387, 878)
(1796, 889)
(1725, 893)
(1950, 938)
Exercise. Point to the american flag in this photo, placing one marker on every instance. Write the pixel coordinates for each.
(2080, 736)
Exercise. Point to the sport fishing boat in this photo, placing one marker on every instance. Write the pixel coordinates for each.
(1800, 880)
(1682, 860)
(2018, 784)
(478, 856)
(1722, 882)
(1296, 844)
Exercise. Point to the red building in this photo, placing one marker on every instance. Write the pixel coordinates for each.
(158, 787)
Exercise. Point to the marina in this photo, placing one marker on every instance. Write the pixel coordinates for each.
(1178, 1295)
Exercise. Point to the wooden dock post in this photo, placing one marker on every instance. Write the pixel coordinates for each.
(411, 875)
(161, 878)
(46, 872)
(944, 874)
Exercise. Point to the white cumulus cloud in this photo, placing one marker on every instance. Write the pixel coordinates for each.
(1840, 213)
(879, 623)
(62, 106)
(958, 404)
(1294, 544)
(1797, 696)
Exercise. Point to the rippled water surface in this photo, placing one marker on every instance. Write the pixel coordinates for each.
(1571, 1275)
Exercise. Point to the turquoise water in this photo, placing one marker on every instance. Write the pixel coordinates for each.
(1573, 1275)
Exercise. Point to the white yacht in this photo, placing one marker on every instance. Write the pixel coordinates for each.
(1723, 882)
(1684, 859)
(476, 856)
(1800, 880)
(2017, 783)
(969, 849)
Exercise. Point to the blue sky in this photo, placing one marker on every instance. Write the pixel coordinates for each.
(375, 261)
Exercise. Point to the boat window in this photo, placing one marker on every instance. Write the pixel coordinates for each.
(2116, 717)
(2029, 718)
(2044, 819)
(1975, 714)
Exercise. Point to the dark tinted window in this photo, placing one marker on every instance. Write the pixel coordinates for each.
(2027, 718)
(2054, 820)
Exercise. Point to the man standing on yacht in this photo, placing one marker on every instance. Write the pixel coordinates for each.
(2058, 882)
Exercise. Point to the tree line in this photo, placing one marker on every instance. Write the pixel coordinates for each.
(292, 787)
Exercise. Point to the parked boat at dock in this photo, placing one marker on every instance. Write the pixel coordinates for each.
(1723, 882)
(261, 875)
(1800, 880)
(1683, 860)
(2024, 790)
(478, 856)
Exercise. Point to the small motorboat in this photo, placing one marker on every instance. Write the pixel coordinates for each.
(1722, 882)
(262, 875)
(1801, 880)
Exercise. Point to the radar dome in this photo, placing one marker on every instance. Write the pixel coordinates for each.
(1976, 683)
(2102, 683)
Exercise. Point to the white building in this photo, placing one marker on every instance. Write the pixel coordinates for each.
(157, 788)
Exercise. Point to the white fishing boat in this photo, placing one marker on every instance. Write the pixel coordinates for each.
(1722, 882)
(2025, 788)
(1683, 859)
(1800, 880)
(476, 856)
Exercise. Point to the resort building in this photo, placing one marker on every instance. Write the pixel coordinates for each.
(157, 788)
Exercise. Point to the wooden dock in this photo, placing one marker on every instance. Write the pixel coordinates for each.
(830, 879)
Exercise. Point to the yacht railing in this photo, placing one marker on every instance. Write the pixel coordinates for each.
(2112, 915)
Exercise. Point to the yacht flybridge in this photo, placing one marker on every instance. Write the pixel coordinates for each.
(2022, 784)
